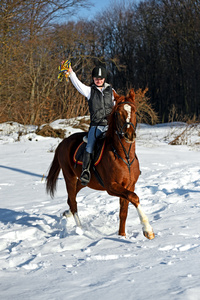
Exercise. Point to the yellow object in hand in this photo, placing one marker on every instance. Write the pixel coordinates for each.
(64, 70)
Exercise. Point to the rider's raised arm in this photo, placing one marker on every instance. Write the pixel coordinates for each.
(81, 87)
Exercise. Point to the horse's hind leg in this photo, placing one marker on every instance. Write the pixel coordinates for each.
(73, 187)
(123, 215)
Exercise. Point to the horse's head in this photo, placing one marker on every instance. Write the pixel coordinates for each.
(125, 116)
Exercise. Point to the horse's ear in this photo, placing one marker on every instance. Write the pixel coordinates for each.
(132, 95)
(116, 96)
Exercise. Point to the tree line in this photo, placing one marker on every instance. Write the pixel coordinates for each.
(152, 46)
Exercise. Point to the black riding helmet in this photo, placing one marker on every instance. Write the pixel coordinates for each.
(99, 72)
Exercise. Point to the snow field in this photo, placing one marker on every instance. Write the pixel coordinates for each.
(43, 256)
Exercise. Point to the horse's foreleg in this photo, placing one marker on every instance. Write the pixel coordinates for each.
(123, 215)
(147, 229)
(116, 190)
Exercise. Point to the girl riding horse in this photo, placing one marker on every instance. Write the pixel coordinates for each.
(100, 100)
(118, 169)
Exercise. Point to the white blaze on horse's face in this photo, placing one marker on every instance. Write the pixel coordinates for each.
(127, 108)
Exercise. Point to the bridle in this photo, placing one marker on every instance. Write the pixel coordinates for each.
(120, 134)
(120, 129)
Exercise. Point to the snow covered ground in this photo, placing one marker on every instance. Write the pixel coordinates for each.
(43, 257)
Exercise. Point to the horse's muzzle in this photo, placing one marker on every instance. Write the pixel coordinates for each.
(130, 136)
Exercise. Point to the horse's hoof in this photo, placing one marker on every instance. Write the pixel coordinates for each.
(122, 234)
(149, 235)
(67, 213)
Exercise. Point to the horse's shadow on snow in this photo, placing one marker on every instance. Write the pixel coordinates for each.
(8, 216)
(53, 228)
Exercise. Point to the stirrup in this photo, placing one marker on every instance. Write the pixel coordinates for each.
(85, 177)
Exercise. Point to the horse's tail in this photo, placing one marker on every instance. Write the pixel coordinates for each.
(53, 175)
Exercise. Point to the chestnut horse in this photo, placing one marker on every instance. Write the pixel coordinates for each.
(118, 157)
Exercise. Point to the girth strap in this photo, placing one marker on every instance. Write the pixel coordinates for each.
(97, 175)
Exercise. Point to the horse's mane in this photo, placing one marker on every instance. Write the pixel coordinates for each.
(130, 98)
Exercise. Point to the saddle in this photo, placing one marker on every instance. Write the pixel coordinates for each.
(96, 155)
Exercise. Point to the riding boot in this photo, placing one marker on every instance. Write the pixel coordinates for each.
(85, 175)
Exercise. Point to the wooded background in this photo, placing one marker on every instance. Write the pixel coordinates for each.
(153, 45)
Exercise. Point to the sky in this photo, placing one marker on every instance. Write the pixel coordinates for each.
(98, 6)
(93, 10)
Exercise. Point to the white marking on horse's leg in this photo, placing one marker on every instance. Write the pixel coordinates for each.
(147, 229)
(67, 213)
(78, 224)
(77, 220)
(127, 107)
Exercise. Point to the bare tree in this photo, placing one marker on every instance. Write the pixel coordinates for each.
(24, 29)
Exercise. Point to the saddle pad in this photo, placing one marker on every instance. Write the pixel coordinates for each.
(96, 156)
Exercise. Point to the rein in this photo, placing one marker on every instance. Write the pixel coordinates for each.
(120, 134)
(128, 162)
